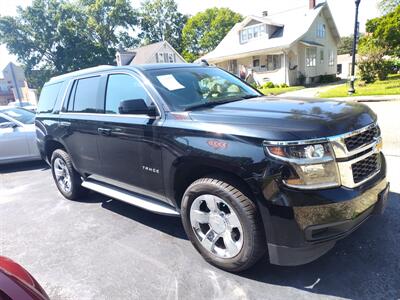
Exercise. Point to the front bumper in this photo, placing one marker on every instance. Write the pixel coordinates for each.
(318, 227)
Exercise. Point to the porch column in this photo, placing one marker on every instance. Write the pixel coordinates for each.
(286, 68)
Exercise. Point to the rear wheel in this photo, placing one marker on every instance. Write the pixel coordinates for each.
(223, 224)
(68, 181)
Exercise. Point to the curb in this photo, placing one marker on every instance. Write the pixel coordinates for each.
(367, 98)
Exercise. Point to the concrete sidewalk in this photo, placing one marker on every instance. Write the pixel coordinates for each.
(376, 98)
(312, 92)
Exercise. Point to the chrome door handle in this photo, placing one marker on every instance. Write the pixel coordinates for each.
(104, 131)
(65, 124)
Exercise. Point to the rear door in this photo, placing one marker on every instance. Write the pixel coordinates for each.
(79, 122)
(129, 147)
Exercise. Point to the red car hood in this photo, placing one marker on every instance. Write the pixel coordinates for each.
(17, 284)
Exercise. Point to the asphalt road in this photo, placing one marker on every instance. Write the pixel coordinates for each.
(99, 248)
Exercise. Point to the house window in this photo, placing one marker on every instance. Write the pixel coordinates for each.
(331, 58)
(339, 69)
(256, 61)
(321, 56)
(160, 57)
(321, 30)
(252, 32)
(256, 31)
(243, 36)
(311, 57)
(163, 57)
(273, 62)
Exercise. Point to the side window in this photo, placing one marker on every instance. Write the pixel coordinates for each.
(48, 97)
(122, 87)
(3, 120)
(83, 96)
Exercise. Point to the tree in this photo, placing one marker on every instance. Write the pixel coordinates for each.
(345, 45)
(61, 36)
(387, 6)
(161, 21)
(386, 31)
(372, 63)
(205, 30)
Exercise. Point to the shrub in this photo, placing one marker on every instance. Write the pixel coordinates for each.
(367, 70)
(327, 78)
(395, 66)
(284, 85)
(383, 69)
(301, 79)
(255, 85)
(268, 85)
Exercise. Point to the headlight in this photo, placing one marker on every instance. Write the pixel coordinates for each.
(314, 165)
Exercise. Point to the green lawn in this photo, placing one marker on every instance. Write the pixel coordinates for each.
(277, 91)
(391, 86)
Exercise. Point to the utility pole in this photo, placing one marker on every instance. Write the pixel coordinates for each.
(353, 58)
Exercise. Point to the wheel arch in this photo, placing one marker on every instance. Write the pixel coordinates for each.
(188, 171)
(50, 146)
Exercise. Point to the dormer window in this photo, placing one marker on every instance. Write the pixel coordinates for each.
(252, 32)
(321, 30)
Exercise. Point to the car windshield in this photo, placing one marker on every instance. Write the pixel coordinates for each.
(191, 87)
(22, 115)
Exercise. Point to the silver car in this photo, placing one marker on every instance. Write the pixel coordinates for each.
(17, 135)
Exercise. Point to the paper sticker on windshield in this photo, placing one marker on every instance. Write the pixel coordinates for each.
(170, 82)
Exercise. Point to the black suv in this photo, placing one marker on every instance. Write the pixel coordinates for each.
(248, 174)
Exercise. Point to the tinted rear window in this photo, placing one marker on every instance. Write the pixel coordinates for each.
(48, 97)
(84, 96)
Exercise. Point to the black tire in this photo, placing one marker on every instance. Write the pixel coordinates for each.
(76, 190)
(254, 245)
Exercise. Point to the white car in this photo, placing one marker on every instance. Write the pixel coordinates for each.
(17, 135)
(26, 105)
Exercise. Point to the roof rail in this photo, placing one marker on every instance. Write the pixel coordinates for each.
(82, 72)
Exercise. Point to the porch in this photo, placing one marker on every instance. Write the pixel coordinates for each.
(273, 67)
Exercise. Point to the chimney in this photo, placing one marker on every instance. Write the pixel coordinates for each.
(265, 13)
(311, 4)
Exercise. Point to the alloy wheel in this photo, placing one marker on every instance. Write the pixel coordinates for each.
(217, 226)
(62, 175)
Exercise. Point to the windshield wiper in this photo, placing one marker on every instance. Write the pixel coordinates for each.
(215, 103)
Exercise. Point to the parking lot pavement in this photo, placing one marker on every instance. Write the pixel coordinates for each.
(99, 248)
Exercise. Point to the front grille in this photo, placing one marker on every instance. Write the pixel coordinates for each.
(363, 138)
(365, 168)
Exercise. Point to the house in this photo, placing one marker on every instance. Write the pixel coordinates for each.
(293, 47)
(14, 87)
(161, 52)
(344, 62)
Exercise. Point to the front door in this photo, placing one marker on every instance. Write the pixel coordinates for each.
(130, 153)
(13, 142)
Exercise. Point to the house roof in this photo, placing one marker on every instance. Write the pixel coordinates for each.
(143, 54)
(291, 25)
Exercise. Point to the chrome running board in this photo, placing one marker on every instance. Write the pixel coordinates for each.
(131, 198)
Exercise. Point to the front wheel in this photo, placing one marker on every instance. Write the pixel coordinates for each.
(223, 224)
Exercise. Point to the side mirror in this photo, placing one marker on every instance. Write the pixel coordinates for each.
(136, 107)
(8, 125)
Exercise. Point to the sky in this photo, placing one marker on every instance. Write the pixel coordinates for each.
(342, 10)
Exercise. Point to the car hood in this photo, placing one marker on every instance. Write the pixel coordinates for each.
(277, 118)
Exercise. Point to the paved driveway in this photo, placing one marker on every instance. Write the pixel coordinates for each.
(99, 248)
